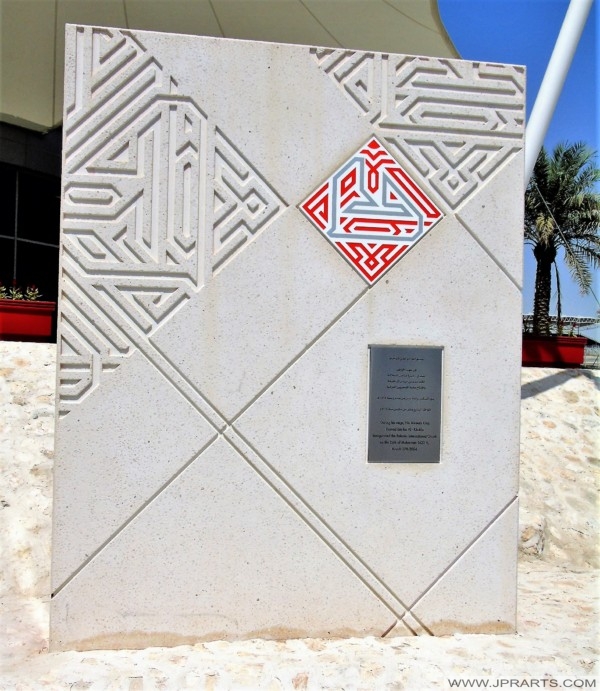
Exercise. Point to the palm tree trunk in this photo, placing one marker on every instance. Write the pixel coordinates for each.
(558, 302)
(545, 256)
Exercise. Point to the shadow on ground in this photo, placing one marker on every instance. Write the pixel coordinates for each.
(533, 388)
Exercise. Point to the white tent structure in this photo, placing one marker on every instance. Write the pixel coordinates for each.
(32, 35)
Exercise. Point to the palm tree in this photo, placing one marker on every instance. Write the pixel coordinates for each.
(562, 210)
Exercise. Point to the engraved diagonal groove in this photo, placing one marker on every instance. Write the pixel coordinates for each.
(315, 522)
(385, 633)
(183, 385)
(419, 622)
(175, 378)
(134, 515)
(408, 626)
(479, 535)
(300, 354)
(490, 254)
(410, 620)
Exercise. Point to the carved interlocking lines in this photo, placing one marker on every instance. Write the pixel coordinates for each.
(243, 202)
(137, 204)
(371, 210)
(457, 122)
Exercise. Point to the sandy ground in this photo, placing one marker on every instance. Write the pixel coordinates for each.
(558, 640)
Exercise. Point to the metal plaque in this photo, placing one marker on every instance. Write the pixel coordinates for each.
(405, 404)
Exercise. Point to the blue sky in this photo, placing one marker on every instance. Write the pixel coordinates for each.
(523, 32)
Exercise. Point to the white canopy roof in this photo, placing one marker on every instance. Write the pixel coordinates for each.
(32, 35)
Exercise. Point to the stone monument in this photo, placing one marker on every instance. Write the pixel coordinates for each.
(289, 343)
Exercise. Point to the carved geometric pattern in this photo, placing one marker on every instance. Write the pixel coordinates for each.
(432, 111)
(243, 202)
(134, 208)
(371, 210)
(453, 165)
(358, 74)
(431, 94)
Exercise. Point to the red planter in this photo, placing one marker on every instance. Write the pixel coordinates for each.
(26, 320)
(553, 351)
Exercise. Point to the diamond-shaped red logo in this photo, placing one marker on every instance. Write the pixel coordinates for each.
(371, 210)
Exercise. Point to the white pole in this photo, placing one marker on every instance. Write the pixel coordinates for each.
(552, 84)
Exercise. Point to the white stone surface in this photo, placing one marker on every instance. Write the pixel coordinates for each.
(328, 393)
(558, 591)
(259, 302)
(136, 417)
(470, 600)
(496, 199)
(211, 477)
(242, 570)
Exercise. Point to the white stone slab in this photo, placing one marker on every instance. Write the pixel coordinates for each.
(211, 478)
(495, 199)
(259, 302)
(472, 602)
(326, 389)
(217, 555)
(113, 453)
(274, 108)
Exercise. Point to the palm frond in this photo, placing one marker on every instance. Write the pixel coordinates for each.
(562, 210)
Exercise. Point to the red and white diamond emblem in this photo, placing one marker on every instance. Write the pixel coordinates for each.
(371, 210)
